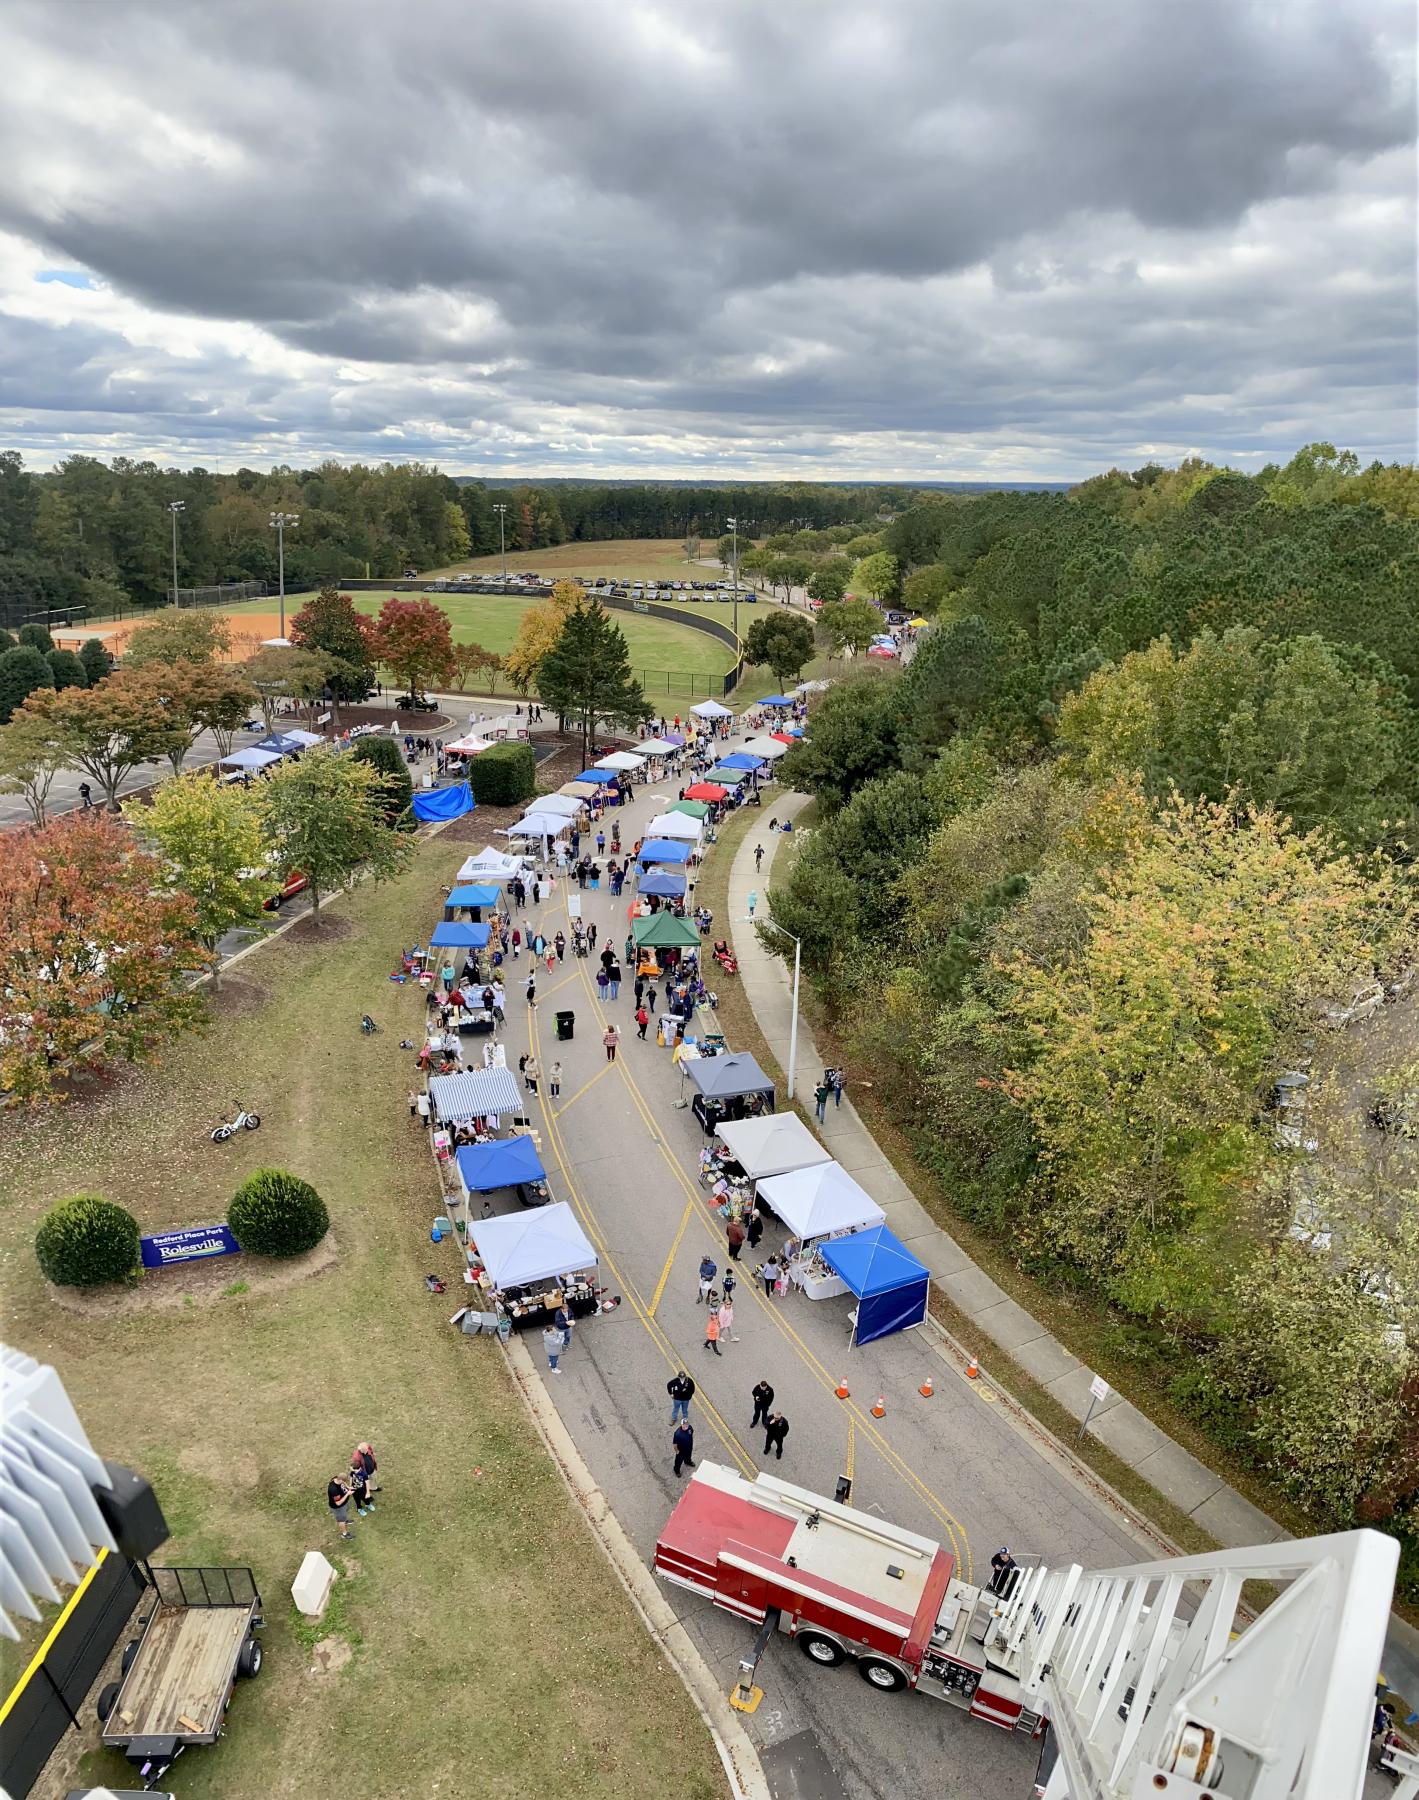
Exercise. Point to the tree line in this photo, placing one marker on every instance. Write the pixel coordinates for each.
(1098, 880)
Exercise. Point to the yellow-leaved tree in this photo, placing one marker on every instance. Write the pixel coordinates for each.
(539, 630)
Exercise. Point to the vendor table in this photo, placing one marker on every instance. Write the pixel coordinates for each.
(824, 1287)
(537, 1309)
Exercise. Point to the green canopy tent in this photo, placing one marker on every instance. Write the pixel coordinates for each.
(663, 931)
(694, 809)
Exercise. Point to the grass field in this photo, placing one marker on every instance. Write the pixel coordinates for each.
(491, 1645)
(637, 559)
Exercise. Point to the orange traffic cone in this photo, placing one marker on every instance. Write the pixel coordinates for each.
(841, 1389)
(926, 1390)
(972, 1368)
(879, 1408)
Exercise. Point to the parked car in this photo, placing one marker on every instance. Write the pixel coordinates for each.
(415, 703)
(295, 883)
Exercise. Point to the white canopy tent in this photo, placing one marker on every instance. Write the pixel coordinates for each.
(620, 760)
(712, 709)
(490, 865)
(276, 643)
(818, 1201)
(469, 746)
(675, 825)
(559, 803)
(766, 746)
(772, 1145)
(251, 759)
(657, 747)
(475, 1094)
(308, 739)
(540, 825)
(521, 1249)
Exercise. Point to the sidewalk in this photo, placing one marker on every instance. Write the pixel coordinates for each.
(1218, 1508)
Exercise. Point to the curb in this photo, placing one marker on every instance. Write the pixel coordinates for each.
(735, 1749)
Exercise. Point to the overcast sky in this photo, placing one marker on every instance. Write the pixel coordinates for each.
(932, 239)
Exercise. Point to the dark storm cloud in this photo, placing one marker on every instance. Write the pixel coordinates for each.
(804, 221)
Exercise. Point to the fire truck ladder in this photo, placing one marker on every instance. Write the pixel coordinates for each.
(1156, 1681)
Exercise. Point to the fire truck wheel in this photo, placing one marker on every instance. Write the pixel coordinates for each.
(884, 1676)
(821, 1650)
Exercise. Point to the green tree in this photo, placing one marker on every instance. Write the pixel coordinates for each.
(876, 576)
(37, 636)
(829, 580)
(850, 625)
(329, 624)
(457, 543)
(724, 552)
(66, 669)
(788, 572)
(109, 730)
(208, 836)
(279, 674)
(178, 635)
(586, 675)
(95, 660)
(925, 590)
(782, 642)
(854, 737)
(32, 751)
(23, 671)
(324, 815)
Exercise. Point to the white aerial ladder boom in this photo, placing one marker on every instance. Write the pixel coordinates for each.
(1156, 1684)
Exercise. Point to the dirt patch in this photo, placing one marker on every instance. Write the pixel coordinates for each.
(235, 997)
(330, 1654)
(199, 1284)
(330, 930)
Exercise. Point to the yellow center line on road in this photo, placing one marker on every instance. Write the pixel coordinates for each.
(717, 1422)
(955, 1531)
(583, 1088)
(674, 1252)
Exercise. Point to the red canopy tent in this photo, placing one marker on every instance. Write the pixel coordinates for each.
(783, 737)
(706, 790)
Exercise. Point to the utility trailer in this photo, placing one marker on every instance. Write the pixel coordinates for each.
(846, 1585)
(197, 1637)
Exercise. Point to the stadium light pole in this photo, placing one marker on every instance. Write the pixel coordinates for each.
(175, 507)
(774, 925)
(733, 525)
(501, 511)
(279, 522)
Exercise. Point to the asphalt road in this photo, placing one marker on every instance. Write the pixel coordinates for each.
(954, 1467)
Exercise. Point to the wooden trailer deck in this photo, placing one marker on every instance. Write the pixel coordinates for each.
(181, 1675)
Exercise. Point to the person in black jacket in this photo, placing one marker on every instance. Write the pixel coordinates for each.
(681, 1389)
(683, 1439)
(775, 1431)
(763, 1397)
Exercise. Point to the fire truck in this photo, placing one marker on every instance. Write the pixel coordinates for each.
(1153, 1678)
(846, 1585)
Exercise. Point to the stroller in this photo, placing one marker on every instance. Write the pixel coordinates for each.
(725, 957)
(367, 1025)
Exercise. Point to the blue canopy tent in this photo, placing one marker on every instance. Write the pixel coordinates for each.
(280, 742)
(440, 803)
(664, 850)
(483, 1168)
(597, 777)
(663, 885)
(479, 893)
(777, 700)
(741, 759)
(454, 934)
(890, 1284)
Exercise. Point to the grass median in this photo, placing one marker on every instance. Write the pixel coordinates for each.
(489, 1644)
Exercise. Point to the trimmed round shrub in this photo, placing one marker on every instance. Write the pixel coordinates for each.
(85, 1241)
(388, 758)
(275, 1213)
(506, 775)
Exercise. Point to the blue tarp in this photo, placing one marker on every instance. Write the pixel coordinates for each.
(445, 802)
(659, 850)
(890, 1284)
(776, 700)
(479, 894)
(663, 884)
(503, 1163)
(741, 759)
(452, 934)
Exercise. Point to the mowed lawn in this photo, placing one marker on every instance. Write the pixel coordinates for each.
(635, 559)
(492, 1647)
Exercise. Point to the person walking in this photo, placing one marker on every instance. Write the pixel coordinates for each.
(554, 1080)
(763, 1397)
(552, 1344)
(591, 934)
(735, 1235)
(712, 1328)
(838, 1084)
(642, 1020)
(631, 956)
(338, 1496)
(753, 902)
(86, 794)
(726, 1321)
(775, 1431)
(755, 1229)
(603, 983)
(1002, 1568)
(820, 1099)
(769, 1275)
(532, 1074)
(758, 857)
(681, 1389)
(683, 1438)
(706, 1277)
(560, 941)
(499, 1003)
(611, 1038)
(613, 976)
(516, 942)
(531, 991)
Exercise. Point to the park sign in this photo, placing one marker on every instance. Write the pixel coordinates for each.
(165, 1248)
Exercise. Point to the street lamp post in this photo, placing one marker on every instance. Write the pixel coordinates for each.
(279, 522)
(774, 925)
(175, 507)
(733, 525)
(501, 511)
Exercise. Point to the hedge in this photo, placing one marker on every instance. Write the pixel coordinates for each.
(386, 756)
(275, 1213)
(506, 775)
(85, 1241)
